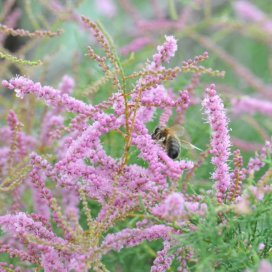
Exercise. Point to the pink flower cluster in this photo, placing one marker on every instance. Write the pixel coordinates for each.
(67, 164)
(249, 12)
(220, 142)
(176, 208)
(256, 163)
(116, 186)
(251, 105)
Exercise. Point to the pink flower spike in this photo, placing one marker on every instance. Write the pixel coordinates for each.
(22, 86)
(133, 237)
(220, 142)
(163, 259)
(165, 52)
(251, 105)
(248, 11)
(22, 224)
(66, 85)
(136, 45)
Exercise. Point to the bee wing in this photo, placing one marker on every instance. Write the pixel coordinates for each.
(188, 145)
(178, 129)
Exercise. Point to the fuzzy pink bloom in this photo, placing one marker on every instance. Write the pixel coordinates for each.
(158, 93)
(11, 20)
(39, 204)
(24, 256)
(165, 116)
(252, 105)
(165, 52)
(176, 208)
(268, 26)
(164, 100)
(13, 135)
(261, 246)
(158, 25)
(12, 120)
(248, 11)
(66, 85)
(243, 205)
(260, 191)
(220, 142)
(23, 225)
(89, 140)
(53, 97)
(136, 45)
(246, 145)
(82, 163)
(51, 262)
(160, 165)
(133, 237)
(265, 266)
(257, 162)
(106, 7)
(163, 259)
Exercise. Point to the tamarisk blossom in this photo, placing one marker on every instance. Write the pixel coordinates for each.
(66, 85)
(117, 191)
(53, 122)
(176, 208)
(106, 7)
(42, 246)
(257, 162)
(53, 97)
(24, 225)
(250, 12)
(163, 100)
(158, 96)
(264, 266)
(50, 261)
(251, 105)
(136, 45)
(133, 237)
(11, 19)
(160, 165)
(220, 141)
(260, 191)
(166, 114)
(24, 256)
(164, 53)
(246, 145)
(167, 111)
(163, 259)
(261, 246)
(159, 24)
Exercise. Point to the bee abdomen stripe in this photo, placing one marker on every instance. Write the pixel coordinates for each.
(173, 148)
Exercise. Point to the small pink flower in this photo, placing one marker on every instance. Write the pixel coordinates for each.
(261, 246)
(265, 266)
(243, 206)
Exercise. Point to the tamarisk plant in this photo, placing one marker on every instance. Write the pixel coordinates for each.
(66, 166)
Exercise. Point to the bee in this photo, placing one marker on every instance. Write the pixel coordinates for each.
(168, 137)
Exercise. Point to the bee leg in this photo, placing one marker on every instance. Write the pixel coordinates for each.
(161, 140)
